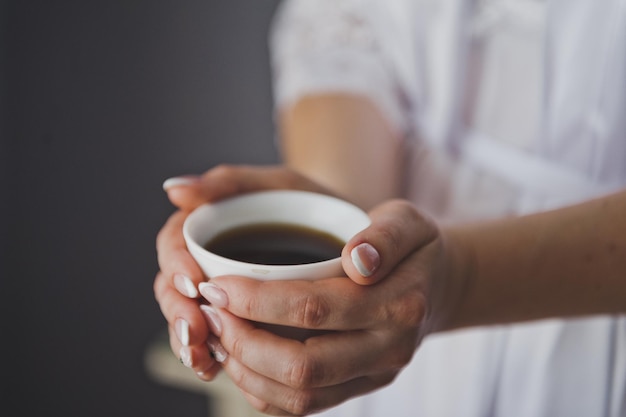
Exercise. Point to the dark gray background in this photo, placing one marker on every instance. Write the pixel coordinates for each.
(101, 101)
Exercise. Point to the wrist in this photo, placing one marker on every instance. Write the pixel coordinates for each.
(456, 280)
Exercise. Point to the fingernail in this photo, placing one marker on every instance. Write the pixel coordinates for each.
(185, 286)
(365, 259)
(217, 350)
(185, 356)
(182, 331)
(214, 294)
(203, 375)
(213, 318)
(177, 181)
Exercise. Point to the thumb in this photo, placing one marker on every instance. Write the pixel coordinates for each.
(397, 229)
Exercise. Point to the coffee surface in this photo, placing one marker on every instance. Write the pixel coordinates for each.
(276, 244)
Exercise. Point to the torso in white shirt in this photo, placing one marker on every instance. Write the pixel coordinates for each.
(519, 106)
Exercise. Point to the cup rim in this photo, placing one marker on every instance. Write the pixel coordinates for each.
(197, 248)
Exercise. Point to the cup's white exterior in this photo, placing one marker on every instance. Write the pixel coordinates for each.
(318, 211)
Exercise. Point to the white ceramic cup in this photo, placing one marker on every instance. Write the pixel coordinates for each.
(318, 211)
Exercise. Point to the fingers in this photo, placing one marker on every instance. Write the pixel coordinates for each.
(271, 397)
(198, 358)
(328, 304)
(174, 260)
(188, 192)
(287, 377)
(323, 360)
(397, 230)
(188, 329)
(372, 330)
(175, 287)
(185, 192)
(182, 314)
(282, 376)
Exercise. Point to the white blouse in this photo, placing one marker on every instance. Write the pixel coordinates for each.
(509, 107)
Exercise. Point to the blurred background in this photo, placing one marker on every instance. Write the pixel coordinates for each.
(102, 101)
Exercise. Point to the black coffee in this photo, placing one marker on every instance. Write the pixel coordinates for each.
(276, 244)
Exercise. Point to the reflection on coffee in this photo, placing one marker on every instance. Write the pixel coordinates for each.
(276, 244)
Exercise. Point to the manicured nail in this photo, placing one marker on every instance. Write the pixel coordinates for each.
(185, 356)
(177, 181)
(203, 375)
(214, 294)
(185, 286)
(213, 318)
(217, 350)
(207, 374)
(182, 331)
(365, 259)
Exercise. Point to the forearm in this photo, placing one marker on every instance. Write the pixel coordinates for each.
(344, 143)
(566, 262)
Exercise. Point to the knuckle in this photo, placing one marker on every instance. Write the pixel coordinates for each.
(262, 406)
(303, 372)
(164, 296)
(310, 311)
(225, 180)
(407, 311)
(159, 238)
(237, 376)
(156, 286)
(250, 306)
(300, 402)
(227, 174)
(222, 170)
(236, 348)
(223, 175)
(387, 378)
(411, 218)
(409, 210)
(403, 355)
(391, 239)
(416, 220)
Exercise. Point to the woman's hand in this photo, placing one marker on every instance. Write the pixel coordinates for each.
(372, 330)
(176, 284)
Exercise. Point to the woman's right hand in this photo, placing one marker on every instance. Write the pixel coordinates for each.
(406, 280)
(176, 284)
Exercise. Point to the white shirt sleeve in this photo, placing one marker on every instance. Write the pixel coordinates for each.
(325, 46)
